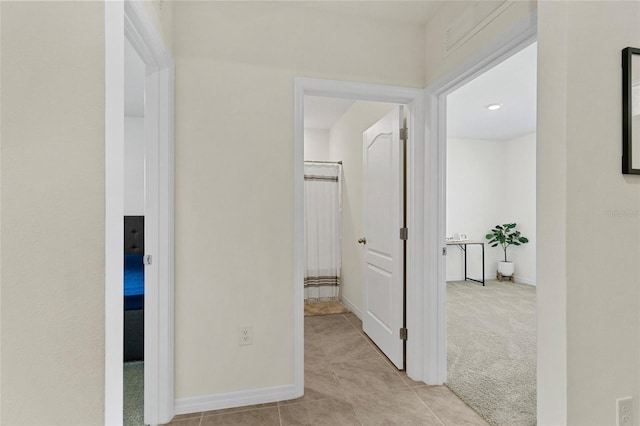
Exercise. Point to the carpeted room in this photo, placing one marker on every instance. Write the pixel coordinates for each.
(491, 175)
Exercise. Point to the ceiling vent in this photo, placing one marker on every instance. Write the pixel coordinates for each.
(472, 20)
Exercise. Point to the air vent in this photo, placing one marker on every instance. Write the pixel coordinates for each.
(472, 20)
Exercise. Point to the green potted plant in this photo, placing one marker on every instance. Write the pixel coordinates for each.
(506, 235)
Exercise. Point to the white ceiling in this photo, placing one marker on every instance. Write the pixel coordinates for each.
(134, 72)
(322, 113)
(511, 83)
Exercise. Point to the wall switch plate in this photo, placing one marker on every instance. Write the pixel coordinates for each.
(624, 411)
(246, 335)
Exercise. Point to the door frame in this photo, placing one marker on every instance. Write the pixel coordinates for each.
(128, 19)
(512, 41)
(414, 99)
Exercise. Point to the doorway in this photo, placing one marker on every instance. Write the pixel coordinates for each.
(490, 285)
(365, 92)
(355, 191)
(128, 19)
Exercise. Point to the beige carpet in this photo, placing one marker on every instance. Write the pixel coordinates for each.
(330, 307)
(133, 414)
(491, 349)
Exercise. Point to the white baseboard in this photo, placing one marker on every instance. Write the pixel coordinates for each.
(346, 302)
(234, 399)
(527, 281)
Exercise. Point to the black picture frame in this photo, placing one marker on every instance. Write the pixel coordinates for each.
(628, 131)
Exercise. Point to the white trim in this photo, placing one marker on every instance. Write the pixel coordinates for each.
(143, 36)
(151, 247)
(128, 19)
(519, 36)
(413, 98)
(346, 302)
(525, 281)
(234, 399)
(166, 256)
(298, 243)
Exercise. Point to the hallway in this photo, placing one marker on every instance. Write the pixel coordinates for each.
(348, 382)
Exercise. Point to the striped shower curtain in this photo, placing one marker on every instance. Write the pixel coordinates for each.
(322, 230)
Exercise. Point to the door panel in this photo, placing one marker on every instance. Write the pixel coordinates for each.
(383, 218)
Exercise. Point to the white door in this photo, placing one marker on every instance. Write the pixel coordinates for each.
(384, 249)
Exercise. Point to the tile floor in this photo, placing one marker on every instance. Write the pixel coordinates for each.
(347, 382)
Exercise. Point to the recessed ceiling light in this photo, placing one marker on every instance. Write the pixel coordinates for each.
(494, 107)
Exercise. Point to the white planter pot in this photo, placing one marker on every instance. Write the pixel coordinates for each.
(506, 268)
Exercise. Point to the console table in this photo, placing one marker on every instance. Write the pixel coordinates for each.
(463, 245)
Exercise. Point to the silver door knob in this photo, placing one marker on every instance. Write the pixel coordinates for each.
(362, 241)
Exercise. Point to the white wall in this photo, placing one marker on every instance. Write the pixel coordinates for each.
(52, 222)
(520, 204)
(234, 170)
(316, 145)
(346, 145)
(580, 185)
(134, 166)
(480, 196)
(473, 187)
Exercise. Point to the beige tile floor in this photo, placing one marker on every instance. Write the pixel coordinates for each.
(348, 382)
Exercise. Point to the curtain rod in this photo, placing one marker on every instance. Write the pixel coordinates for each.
(325, 162)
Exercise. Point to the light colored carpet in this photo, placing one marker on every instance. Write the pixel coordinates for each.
(330, 307)
(491, 339)
(133, 393)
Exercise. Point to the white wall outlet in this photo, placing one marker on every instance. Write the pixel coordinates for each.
(624, 410)
(246, 336)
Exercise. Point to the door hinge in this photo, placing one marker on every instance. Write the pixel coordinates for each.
(403, 334)
(404, 233)
(404, 134)
(444, 251)
(147, 259)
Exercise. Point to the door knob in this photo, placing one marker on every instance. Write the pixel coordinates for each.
(362, 241)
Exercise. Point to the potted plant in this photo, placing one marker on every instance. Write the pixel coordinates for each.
(506, 235)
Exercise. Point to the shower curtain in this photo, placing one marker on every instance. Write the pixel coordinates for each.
(322, 230)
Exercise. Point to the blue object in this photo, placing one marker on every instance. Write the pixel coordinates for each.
(133, 281)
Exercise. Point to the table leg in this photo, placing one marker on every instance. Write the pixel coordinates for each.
(465, 261)
(482, 264)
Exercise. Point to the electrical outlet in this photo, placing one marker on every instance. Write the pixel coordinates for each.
(624, 411)
(246, 336)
